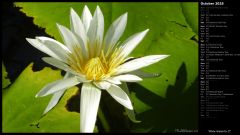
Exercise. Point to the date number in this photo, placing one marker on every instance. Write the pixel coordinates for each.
(219, 3)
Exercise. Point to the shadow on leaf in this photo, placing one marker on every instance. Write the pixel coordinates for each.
(178, 110)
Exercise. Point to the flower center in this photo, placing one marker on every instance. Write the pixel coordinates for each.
(94, 69)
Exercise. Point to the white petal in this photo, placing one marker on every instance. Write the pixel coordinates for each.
(56, 96)
(56, 63)
(77, 26)
(58, 48)
(139, 63)
(54, 100)
(113, 80)
(89, 102)
(73, 43)
(102, 85)
(114, 32)
(132, 42)
(65, 67)
(95, 32)
(128, 78)
(51, 42)
(144, 74)
(130, 113)
(86, 17)
(57, 86)
(119, 95)
(43, 48)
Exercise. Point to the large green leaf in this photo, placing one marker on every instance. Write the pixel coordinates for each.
(190, 11)
(172, 28)
(22, 111)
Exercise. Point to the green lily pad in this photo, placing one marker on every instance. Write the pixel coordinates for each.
(5, 80)
(22, 112)
(190, 11)
(173, 28)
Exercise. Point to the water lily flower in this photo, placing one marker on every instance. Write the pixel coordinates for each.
(100, 62)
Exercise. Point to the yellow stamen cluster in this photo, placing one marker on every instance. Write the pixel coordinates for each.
(98, 67)
(94, 69)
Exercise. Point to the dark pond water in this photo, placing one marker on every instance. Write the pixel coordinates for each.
(17, 53)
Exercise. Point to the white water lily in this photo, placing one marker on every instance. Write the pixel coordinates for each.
(99, 62)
